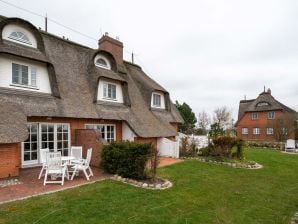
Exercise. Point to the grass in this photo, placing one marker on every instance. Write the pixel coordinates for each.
(202, 193)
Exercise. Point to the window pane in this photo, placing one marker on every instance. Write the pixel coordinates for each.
(15, 73)
(24, 75)
(26, 156)
(51, 128)
(44, 128)
(34, 155)
(51, 145)
(65, 128)
(33, 77)
(34, 146)
(65, 136)
(65, 144)
(44, 145)
(59, 145)
(44, 137)
(59, 137)
(34, 137)
(26, 147)
(59, 128)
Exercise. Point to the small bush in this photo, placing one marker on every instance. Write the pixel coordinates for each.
(222, 146)
(263, 144)
(127, 159)
(188, 147)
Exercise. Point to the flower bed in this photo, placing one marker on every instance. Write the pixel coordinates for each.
(234, 164)
(161, 184)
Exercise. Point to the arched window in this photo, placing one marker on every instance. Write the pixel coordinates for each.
(262, 104)
(102, 62)
(19, 36)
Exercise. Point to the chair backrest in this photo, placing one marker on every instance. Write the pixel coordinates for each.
(43, 155)
(76, 151)
(54, 161)
(89, 155)
(290, 143)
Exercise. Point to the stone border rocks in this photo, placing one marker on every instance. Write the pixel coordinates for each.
(294, 219)
(167, 184)
(249, 165)
(9, 182)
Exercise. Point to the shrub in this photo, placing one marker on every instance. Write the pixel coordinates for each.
(127, 159)
(264, 144)
(222, 146)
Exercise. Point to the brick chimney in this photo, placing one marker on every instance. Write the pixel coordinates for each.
(113, 46)
(269, 91)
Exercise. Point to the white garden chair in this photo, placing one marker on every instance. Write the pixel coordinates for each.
(55, 168)
(290, 145)
(84, 165)
(43, 160)
(76, 152)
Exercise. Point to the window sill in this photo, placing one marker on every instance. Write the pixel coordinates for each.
(23, 86)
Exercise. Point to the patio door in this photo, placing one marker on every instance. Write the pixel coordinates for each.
(30, 146)
(55, 136)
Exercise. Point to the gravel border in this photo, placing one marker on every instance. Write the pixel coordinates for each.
(294, 219)
(229, 164)
(167, 184)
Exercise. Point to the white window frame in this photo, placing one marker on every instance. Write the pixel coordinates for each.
(254, 115)
(269, 131)
(19, 39)
(108, 64)
(105, 126)
(39, 140)
(244, 131)
(105, 90)
(154, 95)
(32, 76)
(271, 115)
(256, 131)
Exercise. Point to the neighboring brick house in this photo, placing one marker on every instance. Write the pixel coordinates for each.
(257, 118)
(54, 93)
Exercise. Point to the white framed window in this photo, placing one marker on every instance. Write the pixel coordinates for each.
(262, 104)
(244, 131)
(109, 91)
(20, 36)
(102, 62)
(24, 75)
(254, 115)
(269, 131)
(256, 131)
(271, 115)
(108, 131)
(156, 100)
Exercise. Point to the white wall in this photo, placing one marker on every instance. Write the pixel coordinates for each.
(119, 94)
(43, 82)
(8, 29)
(162, 100)
(168, 148)
(127, 133)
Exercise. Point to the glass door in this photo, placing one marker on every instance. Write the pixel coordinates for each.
(30, 146)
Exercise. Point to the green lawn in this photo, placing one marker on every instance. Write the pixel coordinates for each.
(202, 193)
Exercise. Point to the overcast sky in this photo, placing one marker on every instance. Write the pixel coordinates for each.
(207, 53)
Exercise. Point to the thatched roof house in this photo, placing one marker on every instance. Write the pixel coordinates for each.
(48, 82)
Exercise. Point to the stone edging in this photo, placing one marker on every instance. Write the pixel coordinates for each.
(294, 219)
(167, 184)
(230, 164)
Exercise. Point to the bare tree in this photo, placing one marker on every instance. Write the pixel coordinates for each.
(284, 127)
(223, 116)
(203, 121)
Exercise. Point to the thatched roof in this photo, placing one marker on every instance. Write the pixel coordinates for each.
(74, 80)
(255, 105)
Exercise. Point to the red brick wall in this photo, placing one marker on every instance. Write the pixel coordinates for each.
(10, 160)
(261, 122)
(112, 46)
(152, 141)
(87, 139)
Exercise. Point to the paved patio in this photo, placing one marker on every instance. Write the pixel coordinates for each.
(28, 184)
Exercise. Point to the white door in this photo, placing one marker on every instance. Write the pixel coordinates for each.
(30, 146)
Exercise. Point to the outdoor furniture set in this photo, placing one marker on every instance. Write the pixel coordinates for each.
(55, 165)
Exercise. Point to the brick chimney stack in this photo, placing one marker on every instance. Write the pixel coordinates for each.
(269, 91)
(113, 46)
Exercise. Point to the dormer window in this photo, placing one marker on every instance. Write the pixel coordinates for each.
(23, 75)
(158, 100)
(110, 91)
(102, 62)
(19, 36)
(262, 104)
